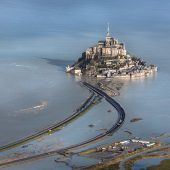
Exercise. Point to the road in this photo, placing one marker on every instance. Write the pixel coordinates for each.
(116, 126)
(116, 105)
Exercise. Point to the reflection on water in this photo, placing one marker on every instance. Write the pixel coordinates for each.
(34, 109)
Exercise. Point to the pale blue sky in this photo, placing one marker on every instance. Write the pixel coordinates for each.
(63, 28)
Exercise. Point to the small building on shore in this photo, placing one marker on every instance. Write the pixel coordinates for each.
(78, 72)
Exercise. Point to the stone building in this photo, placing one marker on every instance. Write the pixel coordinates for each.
(110, 48)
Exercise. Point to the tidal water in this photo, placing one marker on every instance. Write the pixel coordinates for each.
(144, 164)
(35, 29)
(28, 83)
(147, 99)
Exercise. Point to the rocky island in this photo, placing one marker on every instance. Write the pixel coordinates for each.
(109, 58)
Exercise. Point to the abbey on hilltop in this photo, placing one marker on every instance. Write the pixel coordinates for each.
(108, 49)
(109, 58)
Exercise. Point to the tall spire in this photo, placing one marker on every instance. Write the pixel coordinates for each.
(108, 29)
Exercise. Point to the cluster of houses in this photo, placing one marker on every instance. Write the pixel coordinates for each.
(128, 146)
(130, 69)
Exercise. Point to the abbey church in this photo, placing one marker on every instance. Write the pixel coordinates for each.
(110, 48)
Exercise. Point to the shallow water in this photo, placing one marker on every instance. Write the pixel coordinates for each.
(143, 164)
(74, 133)
(24, 85)
(147, 99)
(63, 30)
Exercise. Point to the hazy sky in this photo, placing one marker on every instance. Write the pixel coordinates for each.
(63, 28)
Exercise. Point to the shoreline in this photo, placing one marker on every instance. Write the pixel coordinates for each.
(125, 165)
(129, 162)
